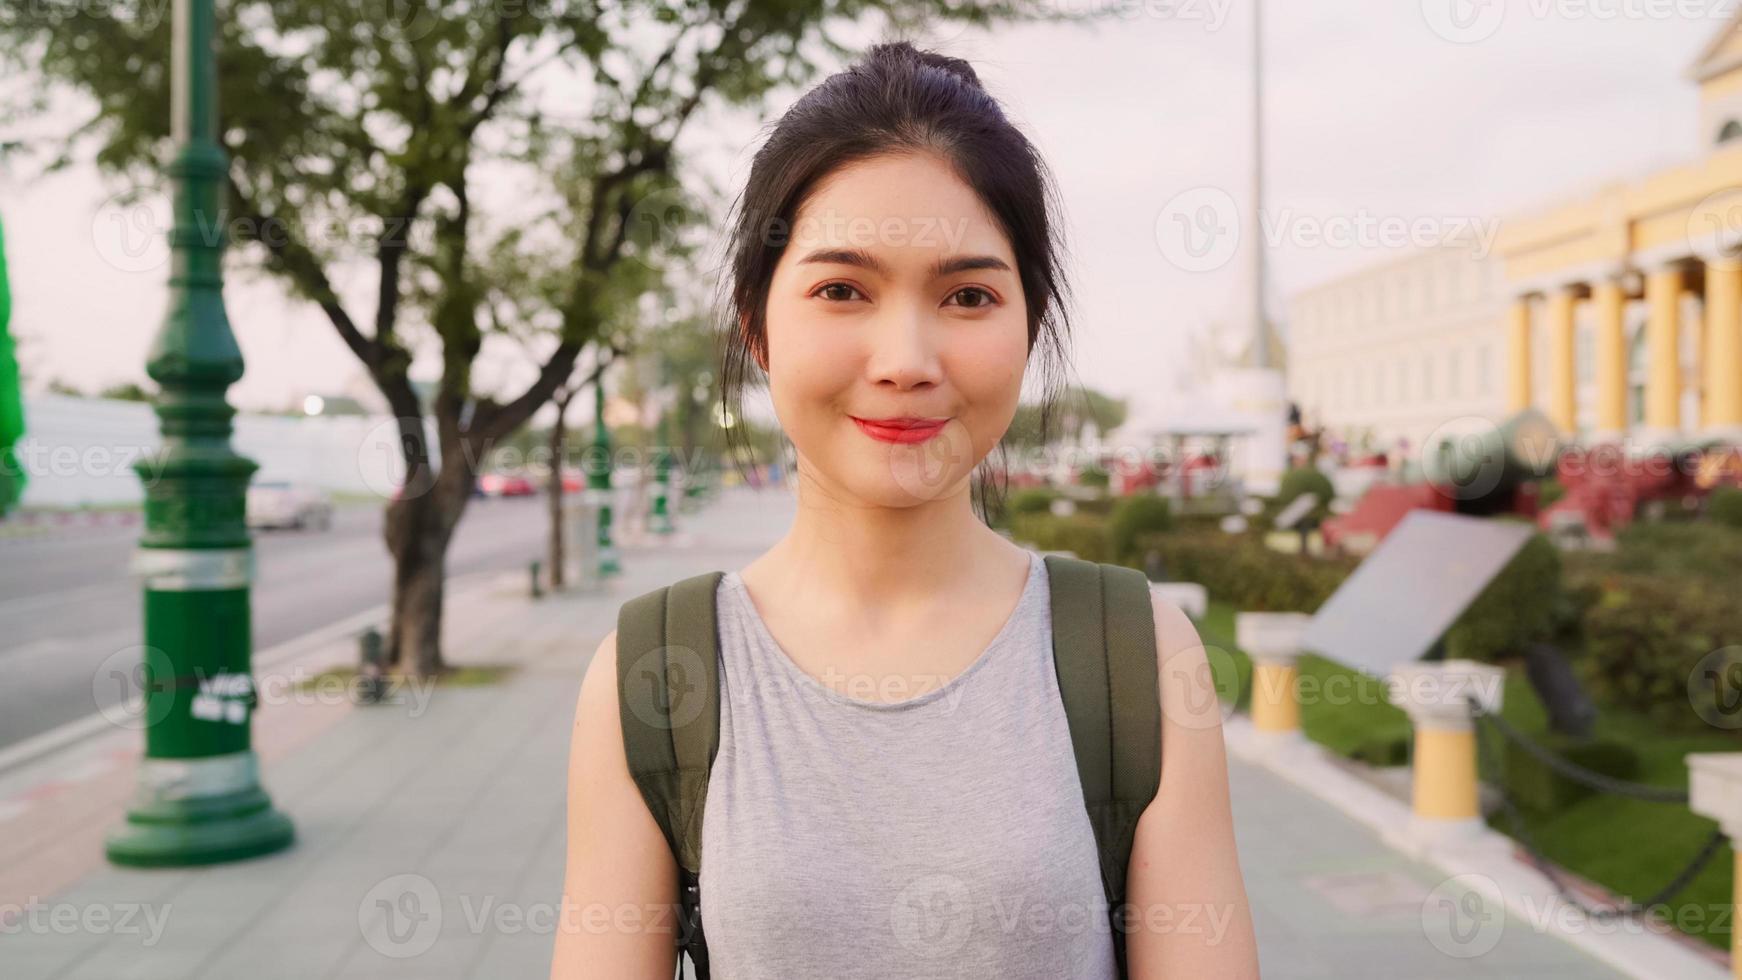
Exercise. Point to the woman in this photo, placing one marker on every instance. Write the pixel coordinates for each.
(894, 794)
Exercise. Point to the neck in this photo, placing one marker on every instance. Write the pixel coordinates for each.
(878, 558)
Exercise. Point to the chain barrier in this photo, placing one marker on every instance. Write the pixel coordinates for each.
(1602, 783)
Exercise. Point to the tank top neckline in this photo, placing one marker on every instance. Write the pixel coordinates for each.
(741, 596)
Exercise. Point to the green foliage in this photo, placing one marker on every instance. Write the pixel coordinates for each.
(1516, 608)
(1085, 535)
(359, 134)
(1304, 479)
(1697, 552)
(1724, 507)
(1382, 749)
(1134, 515)
(1096, 478)
(1651, 647)
(1101, 506)
(1549, 490)
(1537, 787)
(1032, 500)
(1239, 570)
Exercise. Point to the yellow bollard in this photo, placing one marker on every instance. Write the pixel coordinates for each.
(1444, 788)
(1273, 641)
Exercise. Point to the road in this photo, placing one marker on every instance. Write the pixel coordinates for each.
(68, 603)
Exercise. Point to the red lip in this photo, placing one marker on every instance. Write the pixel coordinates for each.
(906, 430)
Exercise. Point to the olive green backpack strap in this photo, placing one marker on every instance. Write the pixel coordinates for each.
(1103, 643)
(668, 692)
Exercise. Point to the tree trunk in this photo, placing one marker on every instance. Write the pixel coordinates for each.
(418, 531)
(556, 494)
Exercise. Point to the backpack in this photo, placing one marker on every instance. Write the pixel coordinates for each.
(1103, 641)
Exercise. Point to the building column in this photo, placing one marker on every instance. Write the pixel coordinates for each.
(1663, 383)
(1721, 363)
(1609, 303)
(1518, 355)
(1563, 406)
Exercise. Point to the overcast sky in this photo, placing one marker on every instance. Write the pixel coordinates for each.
(1431, 114)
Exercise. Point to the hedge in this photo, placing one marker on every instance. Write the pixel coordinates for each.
(1134, 515)
(1085, 535)
(1650, 641)
(1239, 570)
(1724, 506)
(1539, 788)
(1517, 606)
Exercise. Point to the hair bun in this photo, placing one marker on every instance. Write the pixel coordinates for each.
(905, 51)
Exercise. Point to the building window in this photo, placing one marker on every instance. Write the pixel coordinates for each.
(1582, 356)
(1427, 376)
(1484, 370)
(1454, 374)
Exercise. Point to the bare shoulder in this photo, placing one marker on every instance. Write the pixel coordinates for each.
(1188, 688)
(617, 857)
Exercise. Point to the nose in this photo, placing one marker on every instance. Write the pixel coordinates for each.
(904, 348)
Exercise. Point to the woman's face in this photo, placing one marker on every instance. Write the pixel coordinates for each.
(897, 297)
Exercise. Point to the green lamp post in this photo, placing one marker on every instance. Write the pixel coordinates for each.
(662, 477)
(198, 799)
(599, 482)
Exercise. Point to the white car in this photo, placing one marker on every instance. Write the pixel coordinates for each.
(285, 504)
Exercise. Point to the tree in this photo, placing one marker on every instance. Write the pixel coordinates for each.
(359, 141)
(127, 391)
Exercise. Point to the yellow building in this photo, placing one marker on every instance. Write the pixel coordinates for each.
(1625, 306)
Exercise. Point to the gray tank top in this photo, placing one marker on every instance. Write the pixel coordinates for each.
(942, 836)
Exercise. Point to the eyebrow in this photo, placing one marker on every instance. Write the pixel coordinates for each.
(865, 260)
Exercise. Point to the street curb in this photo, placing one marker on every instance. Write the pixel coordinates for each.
(73, 734)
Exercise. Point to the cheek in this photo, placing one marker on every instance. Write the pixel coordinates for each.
(987, 366)
(807, 361)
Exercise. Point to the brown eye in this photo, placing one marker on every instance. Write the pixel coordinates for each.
(836, 292)
(982, 298)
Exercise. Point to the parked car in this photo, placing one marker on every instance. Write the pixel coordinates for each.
(280, 503)
(505, 485)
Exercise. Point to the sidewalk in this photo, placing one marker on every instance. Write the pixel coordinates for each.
(431, 838)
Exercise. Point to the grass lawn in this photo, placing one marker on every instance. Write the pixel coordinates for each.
(1629, 846)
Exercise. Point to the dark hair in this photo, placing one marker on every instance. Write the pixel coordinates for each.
(898, 99)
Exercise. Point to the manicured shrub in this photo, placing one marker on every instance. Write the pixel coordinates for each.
(1548, 491)
(1101, 505)
(1704, 552)
(1516, 608)
(1724, 506)
(1093, 478)
(1239, 570)
(1651, 646)
(1137, 514)
(1384, 749)
(1537, 787)
(1085, 535)
(1033, 500)
(1303, 479)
